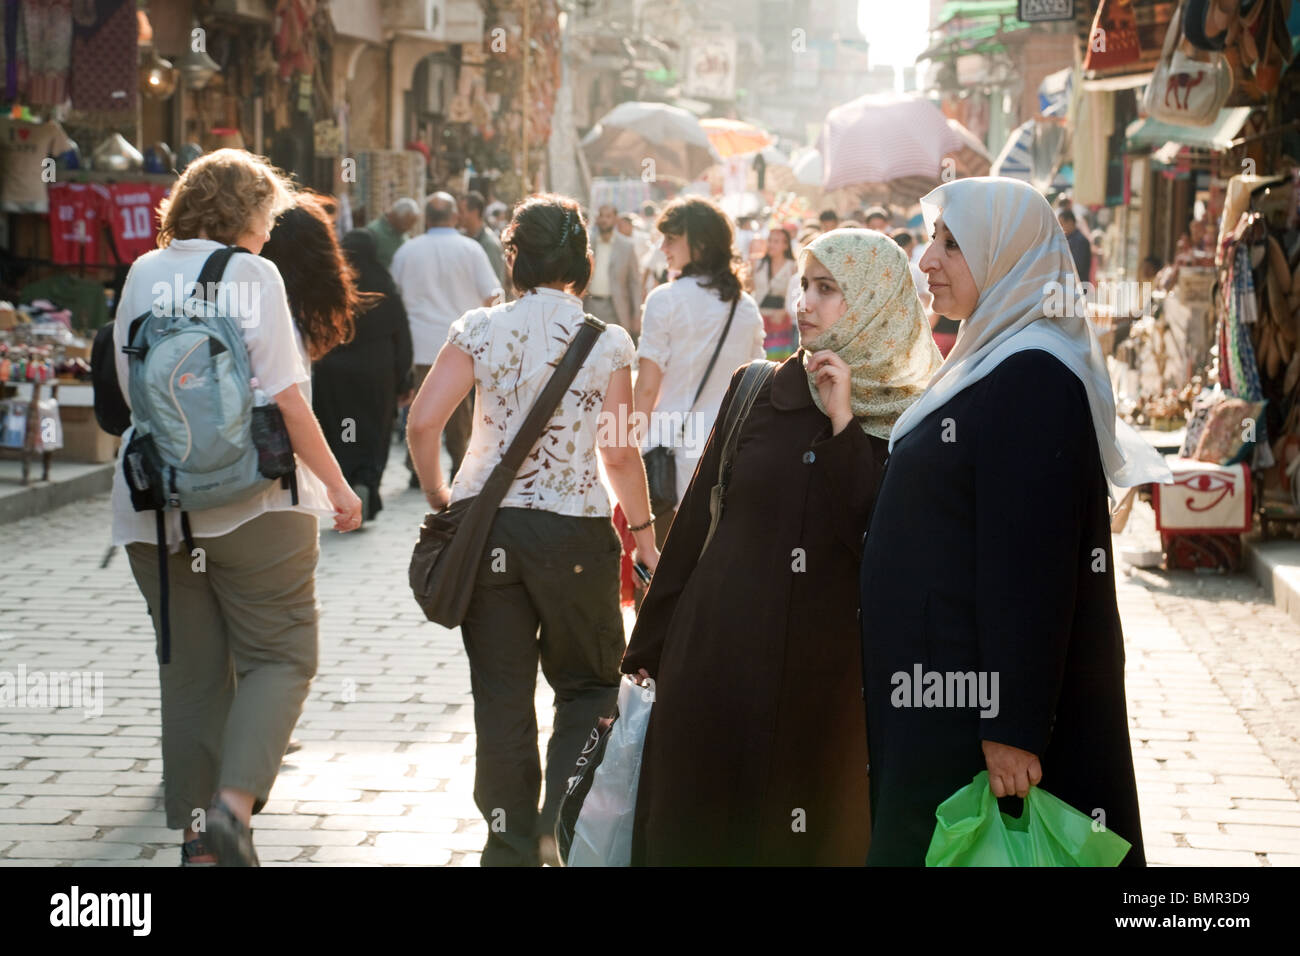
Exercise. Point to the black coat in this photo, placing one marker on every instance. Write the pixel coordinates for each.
(990, 551)
(756, 750)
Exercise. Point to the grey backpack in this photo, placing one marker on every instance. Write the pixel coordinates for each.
(200, 440)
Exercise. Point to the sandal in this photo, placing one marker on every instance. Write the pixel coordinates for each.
(194, 851)
(231, 840)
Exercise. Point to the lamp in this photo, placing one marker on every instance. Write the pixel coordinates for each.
(197, 67)
(157, 77)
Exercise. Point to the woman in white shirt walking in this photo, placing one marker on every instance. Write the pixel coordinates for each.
(549, 583)
(683, 323)
(243, 648)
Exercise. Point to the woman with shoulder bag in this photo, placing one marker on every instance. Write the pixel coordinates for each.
(244, 653)
(548, 582)
(756, 751)
(773, 276)
(695, 330)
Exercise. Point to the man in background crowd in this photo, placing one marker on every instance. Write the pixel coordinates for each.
(614, 293)
(391, 228)
(829, 219)
(877, 219)
(474, 226)
(441, 276)
(1080, 247)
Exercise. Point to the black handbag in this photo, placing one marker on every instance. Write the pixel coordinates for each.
(444, 564)
(661, 462)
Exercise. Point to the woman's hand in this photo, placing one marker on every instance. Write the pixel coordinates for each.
(347, 507)
(834, 384)
(439, 497)
(1011, 770)
(648, 556)
(641, 676)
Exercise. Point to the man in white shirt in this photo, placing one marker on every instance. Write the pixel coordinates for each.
(441, 276)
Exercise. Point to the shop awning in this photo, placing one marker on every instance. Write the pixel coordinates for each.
(1218, 135)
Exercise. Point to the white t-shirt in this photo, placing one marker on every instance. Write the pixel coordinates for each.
(441, 276)
(24, 147)
(679, 331)
(515, 348)
(278, 359)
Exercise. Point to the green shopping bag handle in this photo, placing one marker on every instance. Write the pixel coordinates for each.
(971, 830)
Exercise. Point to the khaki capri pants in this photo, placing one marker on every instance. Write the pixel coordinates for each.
(243, 654)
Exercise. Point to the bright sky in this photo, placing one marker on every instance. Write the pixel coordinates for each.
(896, 29)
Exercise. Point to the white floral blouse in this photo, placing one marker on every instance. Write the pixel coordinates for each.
(516, 346)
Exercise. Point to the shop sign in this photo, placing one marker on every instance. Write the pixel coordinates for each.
(711, 68)
(1045, 11)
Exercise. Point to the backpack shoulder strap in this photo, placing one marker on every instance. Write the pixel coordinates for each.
(214, 268)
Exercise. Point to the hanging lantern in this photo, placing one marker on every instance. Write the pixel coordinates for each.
(158, 77)
(116, 155)
(197, 66)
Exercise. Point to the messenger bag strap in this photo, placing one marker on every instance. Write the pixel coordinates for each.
(549, 399)
(716, 350)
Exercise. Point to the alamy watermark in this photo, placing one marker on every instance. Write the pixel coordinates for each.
(947, 689)
(1121, 298)
(237, 298)
(23, 689)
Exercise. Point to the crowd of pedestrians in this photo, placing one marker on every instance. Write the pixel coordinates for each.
(864, 510)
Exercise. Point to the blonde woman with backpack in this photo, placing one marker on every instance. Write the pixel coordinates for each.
(237, 585)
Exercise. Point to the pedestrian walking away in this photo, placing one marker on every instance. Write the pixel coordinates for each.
(441, 275)
(548, 585)
(242, 586)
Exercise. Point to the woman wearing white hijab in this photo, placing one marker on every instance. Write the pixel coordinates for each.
(989, 552)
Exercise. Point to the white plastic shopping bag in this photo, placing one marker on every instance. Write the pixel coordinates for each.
(603, 833)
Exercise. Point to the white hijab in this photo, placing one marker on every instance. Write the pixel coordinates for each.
(1021, 264)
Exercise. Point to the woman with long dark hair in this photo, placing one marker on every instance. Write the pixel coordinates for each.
(322, 293)
(556, 593)
(773, 276)
(684, 322)
(359, 385)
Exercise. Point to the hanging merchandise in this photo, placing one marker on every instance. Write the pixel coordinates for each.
(24, 146)
(116, 155)
(77, 214)
(49, 50)
(104, 55)
(13, 50)
(133, 218)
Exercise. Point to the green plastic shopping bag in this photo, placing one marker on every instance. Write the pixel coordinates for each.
(972, 831)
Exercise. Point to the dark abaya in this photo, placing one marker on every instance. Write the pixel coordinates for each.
(756, 749)
(990, 551)
(361, 381)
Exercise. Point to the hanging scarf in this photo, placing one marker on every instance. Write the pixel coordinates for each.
(1021, 265)
(883, 336)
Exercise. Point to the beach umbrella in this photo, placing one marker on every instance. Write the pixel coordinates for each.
(888, 139)
(634, 132)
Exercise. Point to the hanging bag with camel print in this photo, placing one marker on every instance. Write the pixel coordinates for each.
(1187, 89)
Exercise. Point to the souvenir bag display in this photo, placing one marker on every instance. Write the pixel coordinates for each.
(444, 564)
(661, 462)
(1188, 86)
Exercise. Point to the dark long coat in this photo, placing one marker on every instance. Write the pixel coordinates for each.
(756, 751)
(990, 551)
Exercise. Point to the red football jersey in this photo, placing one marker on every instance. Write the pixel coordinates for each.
(77, 214)
(134, 218)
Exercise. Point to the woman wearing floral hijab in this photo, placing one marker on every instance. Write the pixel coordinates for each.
(756, 751)
(989, 553)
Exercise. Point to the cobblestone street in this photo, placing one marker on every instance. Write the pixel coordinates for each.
(385, 773)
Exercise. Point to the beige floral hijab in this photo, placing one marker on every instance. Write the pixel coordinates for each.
(884, 337)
